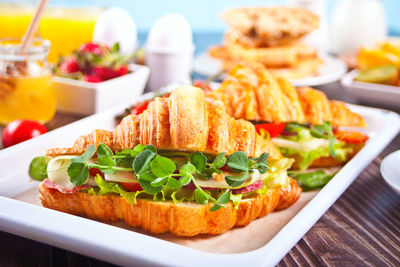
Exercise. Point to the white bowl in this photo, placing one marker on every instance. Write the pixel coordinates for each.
(390, 170)
(86, 98)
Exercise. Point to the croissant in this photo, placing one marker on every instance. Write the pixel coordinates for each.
(184, 121)
(252, 93)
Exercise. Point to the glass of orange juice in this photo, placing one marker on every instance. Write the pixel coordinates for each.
(68, 28)
(26, 87)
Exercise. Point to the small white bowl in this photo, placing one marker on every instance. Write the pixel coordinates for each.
(390, 170)
(86, 98)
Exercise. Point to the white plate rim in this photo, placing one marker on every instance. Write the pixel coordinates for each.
(385, 175)
(329, 77)
(112, 249)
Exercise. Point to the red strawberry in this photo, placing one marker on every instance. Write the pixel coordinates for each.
(93, 78)
(108, 73)
(70, 65)
(91, 48)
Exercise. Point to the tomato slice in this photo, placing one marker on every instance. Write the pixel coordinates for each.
(274, 129)
(351, 137)
(131, 187)
(138, 108)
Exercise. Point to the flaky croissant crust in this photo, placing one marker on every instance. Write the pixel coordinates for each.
(252, 93)
(184, 121)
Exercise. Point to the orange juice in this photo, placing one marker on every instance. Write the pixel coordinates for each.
(67, 29)
(26, 83)
(14, 19)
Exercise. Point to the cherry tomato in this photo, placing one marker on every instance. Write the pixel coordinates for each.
(20, 130)
(351, 137)
(131, 187)
(274, 129)
(203, 85)
(138, 108)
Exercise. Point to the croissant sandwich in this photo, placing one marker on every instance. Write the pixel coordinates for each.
(183, 165)
(302, 122)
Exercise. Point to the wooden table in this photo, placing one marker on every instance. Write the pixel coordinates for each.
(361, 228)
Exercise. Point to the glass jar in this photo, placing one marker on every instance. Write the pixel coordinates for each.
(26, 83)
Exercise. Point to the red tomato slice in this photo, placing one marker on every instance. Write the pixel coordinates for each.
(20, 130)
(351, 137)
(138, 108)
(131, 187)
(274, 129)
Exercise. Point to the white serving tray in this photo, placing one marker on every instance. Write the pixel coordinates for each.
(87, 98)
(119, 244)
(371, 92)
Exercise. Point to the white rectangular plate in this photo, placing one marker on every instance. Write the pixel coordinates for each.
(371, 92)
(263, 243)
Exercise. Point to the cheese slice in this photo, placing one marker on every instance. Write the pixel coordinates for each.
(307, 146)
(120, 176)
(57, 171)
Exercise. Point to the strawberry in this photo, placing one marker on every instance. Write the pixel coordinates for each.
(70, 65)
(108, 73)
(92, 78)
(91, 48)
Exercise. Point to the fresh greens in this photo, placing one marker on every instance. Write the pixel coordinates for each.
(311, 180)
(38, 168)
(157, 173)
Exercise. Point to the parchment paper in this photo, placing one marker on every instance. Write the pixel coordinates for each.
(238, 240)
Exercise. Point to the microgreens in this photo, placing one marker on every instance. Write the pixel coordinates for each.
(157, 172)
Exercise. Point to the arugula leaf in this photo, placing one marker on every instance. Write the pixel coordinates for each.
(199, 160)
(162, 166)
(237, 180)
(38, 168)
(142, 161)
(78, 173)
(219, 161)
(239, 161)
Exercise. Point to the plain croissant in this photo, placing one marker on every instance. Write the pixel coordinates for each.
(252, 93)
(184, 121)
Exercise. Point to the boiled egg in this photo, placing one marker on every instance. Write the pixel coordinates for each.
(115, 25)
(170, 33)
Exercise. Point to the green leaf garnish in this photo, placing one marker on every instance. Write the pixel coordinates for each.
(162, 166)
(38, 168)
(220, 160)
(238, 161)
(173, 183)
(78, 173)
(237, 180)
(142, 161)
(199, 160)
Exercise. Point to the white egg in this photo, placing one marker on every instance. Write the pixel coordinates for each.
(115, 25)
(170, 33)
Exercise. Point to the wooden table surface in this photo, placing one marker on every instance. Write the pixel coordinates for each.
(361, 229)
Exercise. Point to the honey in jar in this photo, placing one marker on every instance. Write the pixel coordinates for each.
(26, 88)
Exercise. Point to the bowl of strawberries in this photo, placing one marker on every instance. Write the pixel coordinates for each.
(95, 77)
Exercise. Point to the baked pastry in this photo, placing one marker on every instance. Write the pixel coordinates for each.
(271, 23)
(251, 92)
(217, 196)
(270, 36)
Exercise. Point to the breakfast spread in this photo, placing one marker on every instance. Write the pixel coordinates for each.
(270, 36)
